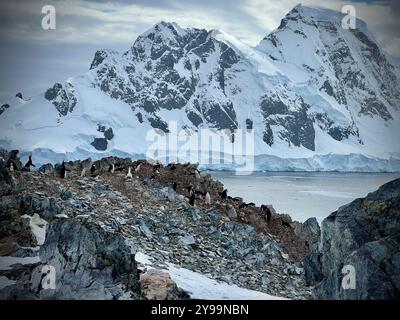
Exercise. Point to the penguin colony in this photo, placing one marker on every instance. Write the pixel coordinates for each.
(193, 194)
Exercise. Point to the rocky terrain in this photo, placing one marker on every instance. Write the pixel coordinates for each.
(90, 226)
(365, 235)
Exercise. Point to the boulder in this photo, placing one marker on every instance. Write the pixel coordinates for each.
(158, 285)
(360, 240)
(89, 262)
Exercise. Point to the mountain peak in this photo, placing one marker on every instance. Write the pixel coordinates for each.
(315, 14)
(165, 29)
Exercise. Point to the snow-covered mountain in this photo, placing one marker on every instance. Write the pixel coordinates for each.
(318, 97)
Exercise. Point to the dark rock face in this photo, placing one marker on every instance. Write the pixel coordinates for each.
(100, 144)
(160, 49)
(63, 98)
(364, 234)
(297, 125)
(4, 107)
(90, 263)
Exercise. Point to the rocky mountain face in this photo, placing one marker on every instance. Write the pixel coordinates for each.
(364, 235)
(309, 88)
(91, 228)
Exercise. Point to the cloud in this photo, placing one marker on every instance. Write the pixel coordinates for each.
(86, 25)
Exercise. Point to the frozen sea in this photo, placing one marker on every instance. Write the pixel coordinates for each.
(302, 194)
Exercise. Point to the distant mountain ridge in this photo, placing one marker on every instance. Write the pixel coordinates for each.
(309, 89)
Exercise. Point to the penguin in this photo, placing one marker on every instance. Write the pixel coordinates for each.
(64, 170)
(286, 224)
(137, 169)
(242, 205)
(197, 175)
(190, 190)
(111, 168)
(93, 169)
(83, 173)
(191, 199)
(200, 194)
(174, 186)
(267, 212)
(224, 194)
(129, 174)
(29, 164)
(208, 198)
(12, 167)
(172, 167)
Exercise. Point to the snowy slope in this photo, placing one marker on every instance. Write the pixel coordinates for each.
(199, 286)
(312, 92)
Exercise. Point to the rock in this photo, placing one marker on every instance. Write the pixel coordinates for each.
(89, 262)
(187, 240)
(8, 248)
(14, 228)
(46, 168)
(311, 226)
(158, 285)
(257, 260)
(231, 212)
(109, 134)
(100, 144)
(66, 194)
(365, 237)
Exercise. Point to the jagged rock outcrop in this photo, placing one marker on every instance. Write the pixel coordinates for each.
(90, 263)
(364, 235)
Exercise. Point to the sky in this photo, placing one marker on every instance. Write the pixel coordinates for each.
(33, 59)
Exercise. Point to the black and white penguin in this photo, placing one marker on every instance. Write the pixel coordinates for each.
(29, 164)
(111, 168)
(93, 169)
(83, 172)
(172, 167)
(129, 174)
(224, 194)
(191, 199)
(197, 174)
(174, 186)
(63, 171)
(11, 166)
(286, 224)
(137, 169)
(190, 190)
(265, 210)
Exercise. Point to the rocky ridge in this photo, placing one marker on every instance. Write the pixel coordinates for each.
(92, 226)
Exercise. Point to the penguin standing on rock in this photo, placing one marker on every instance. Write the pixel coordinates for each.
(93, 169)
(192, 198)
(208, 199)
(64, 170)
(29, 164)
(111, 168)
(129, 174)
(137, 169)
(224, 194)
(267, 212)
(174, 186)
(83, 172)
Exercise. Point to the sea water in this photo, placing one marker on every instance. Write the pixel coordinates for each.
(302, 194)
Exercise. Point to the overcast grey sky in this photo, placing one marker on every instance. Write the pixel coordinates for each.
(32, 59)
